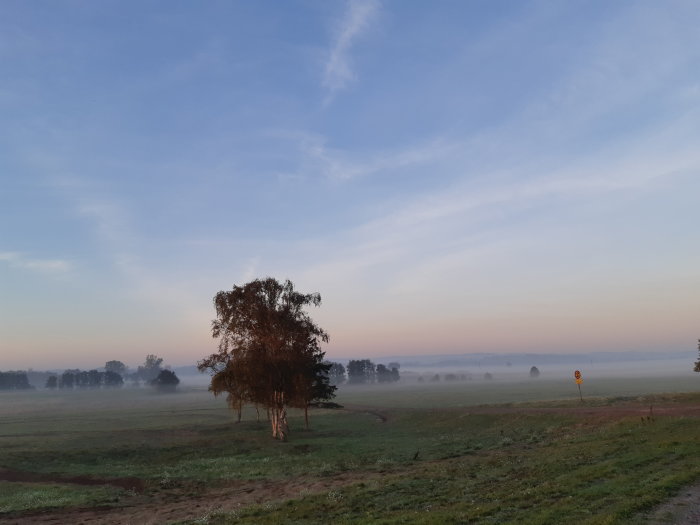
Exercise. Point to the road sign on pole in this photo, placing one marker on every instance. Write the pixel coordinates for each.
(577, 376)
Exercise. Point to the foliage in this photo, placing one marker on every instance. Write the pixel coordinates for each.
(386, 375)
(166, 381)
(112, 379)
(14, 381)
(361, 371)
(336, 373)
(534, 372)
(697, 363)
(115, 366)
(149, 370)
(82, 379)
(67, 379)
(269, 349)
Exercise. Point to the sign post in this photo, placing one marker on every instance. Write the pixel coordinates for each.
(577, 376)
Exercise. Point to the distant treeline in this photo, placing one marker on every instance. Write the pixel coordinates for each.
(363, 371)
(114, 375)
(85, 379)
(14, 381)
(451, 377)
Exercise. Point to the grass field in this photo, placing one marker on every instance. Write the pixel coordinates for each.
(474, 452)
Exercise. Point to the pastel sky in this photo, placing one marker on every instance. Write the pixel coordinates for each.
(451, 176)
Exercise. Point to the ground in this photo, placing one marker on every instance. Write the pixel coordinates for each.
(393, 455)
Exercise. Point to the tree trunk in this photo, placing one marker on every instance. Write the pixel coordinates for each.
(278, 412)
(306, 416)
(257, 411)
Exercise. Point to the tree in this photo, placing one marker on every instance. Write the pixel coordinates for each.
(395, 374)
(336, 373)
(697, 363)
(150, 368)
(95, 378)
(386, 375)
(52, 382)
(534, 372)
(113, 379)
(67, 379)
(166, 381)
(361, 371)
(82, 378)
(115, 366)
(14, 381)
(269, 349)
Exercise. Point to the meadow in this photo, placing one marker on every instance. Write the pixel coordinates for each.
(472, 452)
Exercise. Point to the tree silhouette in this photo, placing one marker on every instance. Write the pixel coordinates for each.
(361, 371)
(115, 366)
(269, 350)
(14, 381)
(387, 375)
(228, 382)
(166, 381)
(113, 379)
(150, 368)
(534, 372)
(67, 379)
(697, 363)
(336, 373)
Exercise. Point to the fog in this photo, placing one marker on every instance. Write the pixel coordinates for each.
(510, 367)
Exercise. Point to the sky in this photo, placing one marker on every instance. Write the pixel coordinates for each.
(451, 176)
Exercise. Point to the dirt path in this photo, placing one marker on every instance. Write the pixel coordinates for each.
(381, 415)
(133, 484)
(178, 505)
(684, 509)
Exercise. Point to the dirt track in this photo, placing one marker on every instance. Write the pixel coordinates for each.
(180, 504)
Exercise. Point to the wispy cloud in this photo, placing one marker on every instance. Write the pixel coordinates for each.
(338, 72)
(337, 164)
(49, 266)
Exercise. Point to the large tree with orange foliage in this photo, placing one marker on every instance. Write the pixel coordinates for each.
(269, 350)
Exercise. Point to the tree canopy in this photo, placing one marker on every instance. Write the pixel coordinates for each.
(166, 381)
(269, 349)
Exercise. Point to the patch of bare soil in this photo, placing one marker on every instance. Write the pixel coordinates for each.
(182, 504)
(133, 484)
(684, 509)
(382, 417)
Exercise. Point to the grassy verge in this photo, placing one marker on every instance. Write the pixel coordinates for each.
(16, 497)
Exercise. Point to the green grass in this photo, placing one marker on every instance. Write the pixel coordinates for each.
(590, 473)
(471, 466)
(15, 497)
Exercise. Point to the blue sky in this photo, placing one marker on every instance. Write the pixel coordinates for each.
(450, 176)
